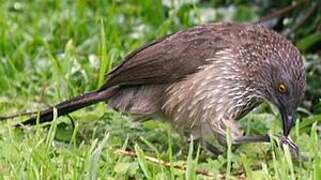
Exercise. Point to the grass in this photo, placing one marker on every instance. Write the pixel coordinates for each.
(53, 50)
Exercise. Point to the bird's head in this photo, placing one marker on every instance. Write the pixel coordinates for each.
(282, 80)
(286, 92)
(276, 71)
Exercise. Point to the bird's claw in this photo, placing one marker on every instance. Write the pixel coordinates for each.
(293, 148)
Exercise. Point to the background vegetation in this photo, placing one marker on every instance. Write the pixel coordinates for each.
(51, 50)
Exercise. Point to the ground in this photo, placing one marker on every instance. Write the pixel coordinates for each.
(53, 50)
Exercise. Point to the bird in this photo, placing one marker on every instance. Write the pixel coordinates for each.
(202, 81)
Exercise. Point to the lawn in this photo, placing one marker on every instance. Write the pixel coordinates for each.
(52, 50)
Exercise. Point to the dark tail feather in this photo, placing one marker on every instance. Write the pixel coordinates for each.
(70, 106)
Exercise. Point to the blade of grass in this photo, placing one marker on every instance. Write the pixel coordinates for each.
(52, 131)
(170, 154)
(103, 55)
(150, 145)
(288, 159)
(189, 173)
(95, 157)
(317, 168)
(229, 153)
(142, 162)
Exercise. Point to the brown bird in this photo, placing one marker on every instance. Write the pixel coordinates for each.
(202, 80)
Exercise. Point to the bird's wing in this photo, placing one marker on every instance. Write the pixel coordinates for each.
(168, 59)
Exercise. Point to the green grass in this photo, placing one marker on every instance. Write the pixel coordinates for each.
(53, 50)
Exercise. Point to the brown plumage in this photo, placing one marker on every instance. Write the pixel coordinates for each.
(202, 80)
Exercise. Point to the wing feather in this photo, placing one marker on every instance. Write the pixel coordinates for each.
(168, 59)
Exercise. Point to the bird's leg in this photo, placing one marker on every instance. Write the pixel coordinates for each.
(283, 140)
(251, 139)
(211, 148)
(205, 145)
(236, 142)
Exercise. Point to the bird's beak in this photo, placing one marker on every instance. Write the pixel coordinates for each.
(287, 121)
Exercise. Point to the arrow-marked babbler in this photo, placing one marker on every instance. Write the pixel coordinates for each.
(202, 80)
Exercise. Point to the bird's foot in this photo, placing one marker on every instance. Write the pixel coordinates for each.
(283, 141)
(293, 148)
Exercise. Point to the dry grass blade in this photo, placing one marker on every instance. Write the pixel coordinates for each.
(167, 164)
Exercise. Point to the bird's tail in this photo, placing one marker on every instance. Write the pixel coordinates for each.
(70, 105)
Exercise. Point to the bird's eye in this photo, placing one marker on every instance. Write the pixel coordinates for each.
(282, 88)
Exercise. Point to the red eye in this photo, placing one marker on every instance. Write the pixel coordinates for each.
(282, 88)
